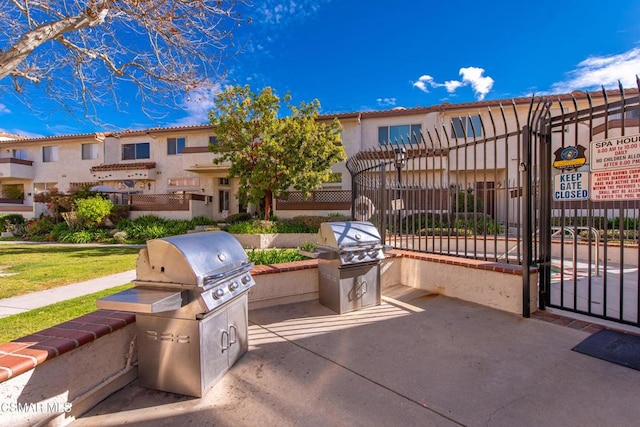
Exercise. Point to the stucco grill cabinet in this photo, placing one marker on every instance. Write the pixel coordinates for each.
(190, 300)
(349, 256)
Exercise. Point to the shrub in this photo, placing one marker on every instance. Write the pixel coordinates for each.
(8, 221)
(152, 227)
(92, 210)
(118, 213)
(202, 220)
(274, 256)
(312, 223)
(239, 217)
(39, 229)
(252, 227)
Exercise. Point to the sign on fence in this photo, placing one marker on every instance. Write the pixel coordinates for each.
(615, 169)
(615, 153)
(623, 184)
(571, 186)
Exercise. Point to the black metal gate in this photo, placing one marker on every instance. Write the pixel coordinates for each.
(482, 186)
(587, 246)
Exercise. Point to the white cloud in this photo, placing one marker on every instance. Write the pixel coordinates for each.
(423, 81)
(452, 85)
(278, 12)
(471, 76)
(21, 132)
(4, 109)
(198, 103)
(386, 102)
(474, 76)
(597, 71)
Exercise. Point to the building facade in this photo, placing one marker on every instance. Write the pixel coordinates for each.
(155, 170)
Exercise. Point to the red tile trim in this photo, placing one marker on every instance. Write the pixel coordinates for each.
(284, 267)
(25, 353)
(461, 262)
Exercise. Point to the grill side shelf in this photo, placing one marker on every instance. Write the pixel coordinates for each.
(140, 300)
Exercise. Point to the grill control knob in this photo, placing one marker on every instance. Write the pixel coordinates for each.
(361, 255)
(233, 286)
(245, 280)
(218, 293)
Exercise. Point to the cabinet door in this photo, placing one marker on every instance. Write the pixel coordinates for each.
(214, 360)
(368, 285)
(361, 287)
(237, 326)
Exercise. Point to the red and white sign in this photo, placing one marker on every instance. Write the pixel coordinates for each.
(615, 153)
(614, 185)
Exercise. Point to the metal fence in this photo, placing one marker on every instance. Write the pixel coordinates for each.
(588, 253)
(446, 190)
(482, 187)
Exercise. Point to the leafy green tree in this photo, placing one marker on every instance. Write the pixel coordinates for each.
(91, 211)
(271, 155)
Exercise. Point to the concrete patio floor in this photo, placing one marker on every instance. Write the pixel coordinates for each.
(416, 360)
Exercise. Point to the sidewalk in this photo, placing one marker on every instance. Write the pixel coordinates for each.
(23, 303)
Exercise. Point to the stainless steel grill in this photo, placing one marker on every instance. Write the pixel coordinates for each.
(190, 300)
(349, 255)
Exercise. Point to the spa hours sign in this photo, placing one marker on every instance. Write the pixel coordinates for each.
(615, 169)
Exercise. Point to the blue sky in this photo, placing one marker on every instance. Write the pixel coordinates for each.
(376, 55)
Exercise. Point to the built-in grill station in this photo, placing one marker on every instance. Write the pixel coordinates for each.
(349, 255)
(190, 300)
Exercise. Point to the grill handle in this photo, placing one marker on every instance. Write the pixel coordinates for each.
(224, 343)
(231, 338)
(212, 278)
(233, 334)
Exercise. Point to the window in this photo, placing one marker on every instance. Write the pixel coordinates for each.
(469, 127)
(631, 114)
(223, 198)
(12, 191)
(89, 151)
(50, 154)
(176, 145)
(223, 181)
(213, 140)
(45, 187)
(398, 134)
(140, 150)
(19, 153)
(183, 182)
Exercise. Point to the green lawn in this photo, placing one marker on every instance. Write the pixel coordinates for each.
(20, 325)
(30, 268)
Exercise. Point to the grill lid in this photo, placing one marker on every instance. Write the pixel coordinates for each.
(198, 259)
(348, 234)
(352, 242)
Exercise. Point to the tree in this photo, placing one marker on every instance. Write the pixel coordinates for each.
(87, 50)
(270, 155)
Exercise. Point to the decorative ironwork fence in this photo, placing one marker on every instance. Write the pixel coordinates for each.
(487, 186)
(447, 190)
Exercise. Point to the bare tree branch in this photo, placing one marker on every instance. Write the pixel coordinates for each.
(77, 50)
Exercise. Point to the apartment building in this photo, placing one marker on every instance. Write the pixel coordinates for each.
(170, 171)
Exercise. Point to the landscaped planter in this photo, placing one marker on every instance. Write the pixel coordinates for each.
(277, 240)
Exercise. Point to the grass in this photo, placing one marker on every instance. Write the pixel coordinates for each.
(20, 325)
(39, 267)
(31, 268)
